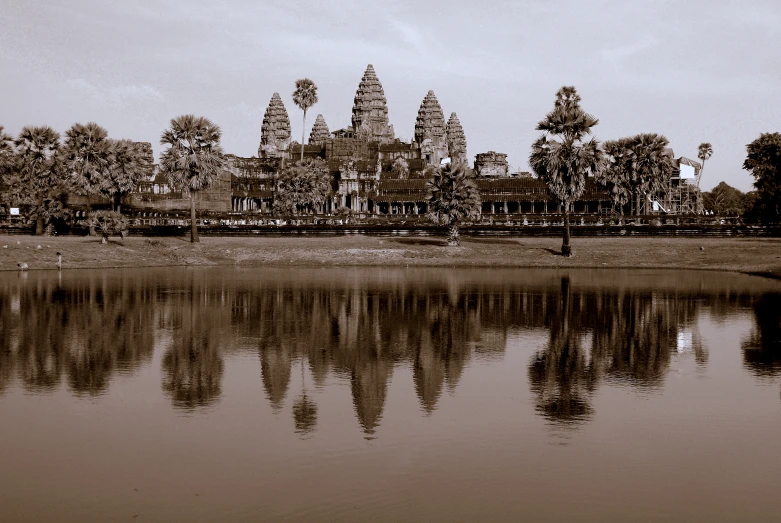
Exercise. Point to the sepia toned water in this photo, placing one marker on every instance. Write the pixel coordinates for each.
(389, 395)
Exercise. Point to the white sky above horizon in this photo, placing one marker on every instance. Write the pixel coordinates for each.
(695, 71)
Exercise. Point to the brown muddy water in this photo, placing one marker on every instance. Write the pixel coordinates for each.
(389, 395)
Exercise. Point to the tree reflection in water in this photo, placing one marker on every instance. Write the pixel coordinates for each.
(360, 330)
(192, 365)
(88, 330)
(762, 349)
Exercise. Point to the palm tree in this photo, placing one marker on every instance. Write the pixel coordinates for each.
(561, 157)
(86, 156)
(704, 152)
(617, 168)
(305, 96)
(193, 159)
(129, 164)
(39, 171)
(303, 186)
(452, 197)
(651, 167)
(7, 154)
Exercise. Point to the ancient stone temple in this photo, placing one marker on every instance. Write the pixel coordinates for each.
(456, 140)
(491, 164)
(430, 132)
(370, 110)
(320, 133)
(275, 131)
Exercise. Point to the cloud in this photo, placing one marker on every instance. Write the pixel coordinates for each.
(625, 51)
(117, 95)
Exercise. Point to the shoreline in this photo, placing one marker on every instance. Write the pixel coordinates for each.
(751, 256)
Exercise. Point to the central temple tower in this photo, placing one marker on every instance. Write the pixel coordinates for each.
(370, 110)
(430, 131)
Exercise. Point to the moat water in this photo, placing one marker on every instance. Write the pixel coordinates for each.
(389, 395)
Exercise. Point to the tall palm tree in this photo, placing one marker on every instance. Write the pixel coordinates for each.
(452, 197)
(193, 159)
(562, 157)
(305, 96)
(7, 154)
(39, 171)
(704, 152)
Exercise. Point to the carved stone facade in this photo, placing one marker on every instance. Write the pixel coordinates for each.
(275, 131)
(456, 140)
(320, 133)
(430, 132)
(491, 164)
(370, 110)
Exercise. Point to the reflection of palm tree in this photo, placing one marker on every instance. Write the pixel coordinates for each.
(304, 409)
(192, 366)
(560, 376)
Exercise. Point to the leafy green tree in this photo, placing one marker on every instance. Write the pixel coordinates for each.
(129, 164)
(39, 180)
(764, 164)
(725, 200)
(301, 187)
(452, 197)
(704, 152)
(562, 157)
(193, 159)
(305, 96)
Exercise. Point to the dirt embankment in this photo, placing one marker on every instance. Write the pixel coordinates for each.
(748, 255)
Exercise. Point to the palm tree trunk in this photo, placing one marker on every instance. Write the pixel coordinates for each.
(453, 239)
(303, 134)
(193, 224)
(39, 219)
(566, 249)
(637, 203)
(117, 202)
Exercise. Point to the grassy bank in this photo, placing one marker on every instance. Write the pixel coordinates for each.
(759, 256)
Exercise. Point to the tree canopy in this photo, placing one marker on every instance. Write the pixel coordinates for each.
(764, 163)
(562, 157)
(193, 159)
(39, 169)
(725, 200)
(302, 187)
(452, 197)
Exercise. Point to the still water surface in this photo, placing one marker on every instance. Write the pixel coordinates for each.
(389, 395)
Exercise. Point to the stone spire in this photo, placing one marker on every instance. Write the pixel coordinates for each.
(456, 141)
(370, 110)
(430, 130)
(320, 132)
(275, 132)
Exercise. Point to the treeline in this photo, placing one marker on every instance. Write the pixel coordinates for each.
(40, 168)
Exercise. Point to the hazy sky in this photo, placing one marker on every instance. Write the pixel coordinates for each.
(693, 70)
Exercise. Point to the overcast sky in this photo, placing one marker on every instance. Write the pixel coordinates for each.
(693, 70)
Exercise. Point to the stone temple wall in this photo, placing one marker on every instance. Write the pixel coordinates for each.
(491, 164)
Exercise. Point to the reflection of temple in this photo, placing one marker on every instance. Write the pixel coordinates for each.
(357, 328)
(374, 173)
